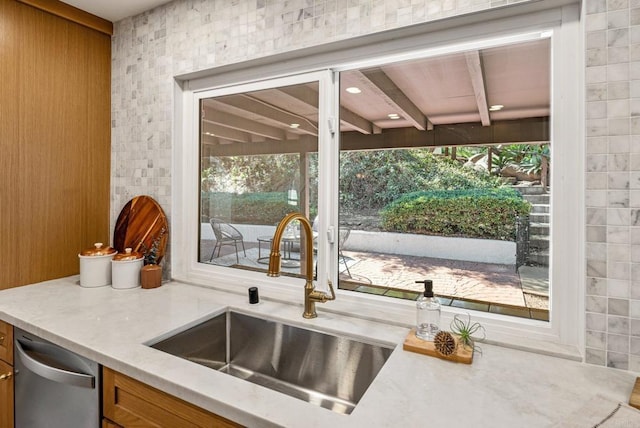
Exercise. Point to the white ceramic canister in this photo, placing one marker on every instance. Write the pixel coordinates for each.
(95, 266)
(125, 269)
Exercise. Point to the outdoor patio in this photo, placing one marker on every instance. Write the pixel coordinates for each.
(478, 286)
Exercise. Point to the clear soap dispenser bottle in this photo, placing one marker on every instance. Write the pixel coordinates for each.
(427, 313)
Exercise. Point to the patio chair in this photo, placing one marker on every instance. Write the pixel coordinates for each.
(343, 235)
(226, 235)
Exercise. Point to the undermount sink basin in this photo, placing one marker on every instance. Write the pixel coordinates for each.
(324, 369)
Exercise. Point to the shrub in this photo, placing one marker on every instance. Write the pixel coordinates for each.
(477, 213)
(247, 208)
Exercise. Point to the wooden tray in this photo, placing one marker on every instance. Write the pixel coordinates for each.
(140, 222)
(413, 344)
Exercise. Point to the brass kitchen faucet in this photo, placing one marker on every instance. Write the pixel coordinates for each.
(311, 295)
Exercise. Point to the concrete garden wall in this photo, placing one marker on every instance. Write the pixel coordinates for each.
(453, 248)
(440, 247)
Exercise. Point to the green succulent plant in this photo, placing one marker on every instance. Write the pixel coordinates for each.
(468, 332)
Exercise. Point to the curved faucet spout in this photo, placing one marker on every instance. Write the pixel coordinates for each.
(311, 295)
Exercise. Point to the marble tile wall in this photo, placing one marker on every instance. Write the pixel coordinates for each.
(190, 35)
(612, 74)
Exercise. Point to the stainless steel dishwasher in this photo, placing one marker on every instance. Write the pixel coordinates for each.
(54, 387)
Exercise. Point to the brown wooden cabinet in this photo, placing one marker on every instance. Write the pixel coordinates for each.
(6, 374)
(55, 128)
(129, 403)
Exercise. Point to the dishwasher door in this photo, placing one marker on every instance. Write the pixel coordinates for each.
(54, 387)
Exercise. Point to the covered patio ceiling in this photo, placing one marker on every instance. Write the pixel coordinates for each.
(446, 100)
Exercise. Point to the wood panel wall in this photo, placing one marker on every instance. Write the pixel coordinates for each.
(54, 143)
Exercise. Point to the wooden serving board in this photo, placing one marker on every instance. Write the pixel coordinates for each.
(634, 399)
(140, 222)
(413, 344)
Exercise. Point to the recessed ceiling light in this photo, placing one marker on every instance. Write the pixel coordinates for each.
(496, 107)
(353, 90)
(294, 125)
(394, 116)
(210, 134)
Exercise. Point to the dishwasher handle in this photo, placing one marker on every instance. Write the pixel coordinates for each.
(53, 373)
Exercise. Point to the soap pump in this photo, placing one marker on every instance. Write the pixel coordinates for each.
(427, 313)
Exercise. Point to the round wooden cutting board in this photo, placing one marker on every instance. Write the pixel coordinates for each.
(139, 224)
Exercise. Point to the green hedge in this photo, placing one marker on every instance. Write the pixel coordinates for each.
(477, 213)
(247, 208)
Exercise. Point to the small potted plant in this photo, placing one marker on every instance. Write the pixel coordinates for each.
(151, 274)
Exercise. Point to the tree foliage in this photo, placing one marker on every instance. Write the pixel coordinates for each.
(256, 189)
(241, 174)
(373, 179)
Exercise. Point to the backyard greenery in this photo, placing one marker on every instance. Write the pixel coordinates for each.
(248, 208)
(414, 190)
(255, 189)
(371, 180)
(528, 158)
(479, 213)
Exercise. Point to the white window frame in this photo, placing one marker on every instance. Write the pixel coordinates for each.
(185, 262)
(563, 335)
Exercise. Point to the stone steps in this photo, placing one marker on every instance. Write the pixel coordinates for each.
(539, 242)
(538, 229)
(540, 208)
(530, 190)
(539, 258)
(539, 224)
(537, 199)
(539, 218)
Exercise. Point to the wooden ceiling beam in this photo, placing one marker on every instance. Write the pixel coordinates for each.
(301, 93)
(218, 117)
(476, 72)
(260, 108)
(347, 117)
(303, 145)
(212, 130)
(383, 86)
(355, 121)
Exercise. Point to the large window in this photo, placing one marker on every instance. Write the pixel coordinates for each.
(454, 158)
(444, 174)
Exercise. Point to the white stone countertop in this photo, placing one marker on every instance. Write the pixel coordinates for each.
(502, 388)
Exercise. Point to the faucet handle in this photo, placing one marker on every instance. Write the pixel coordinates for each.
(321, 296)
(333, 294)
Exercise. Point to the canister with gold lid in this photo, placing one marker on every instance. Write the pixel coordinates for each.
(125, 269)
(95, 265)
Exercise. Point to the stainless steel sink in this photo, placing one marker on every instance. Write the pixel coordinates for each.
(327, 370)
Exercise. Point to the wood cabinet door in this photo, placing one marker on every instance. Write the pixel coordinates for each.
(131, 403)
(106, 423)
(6, 343)
(55, 128)
(6, 395)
